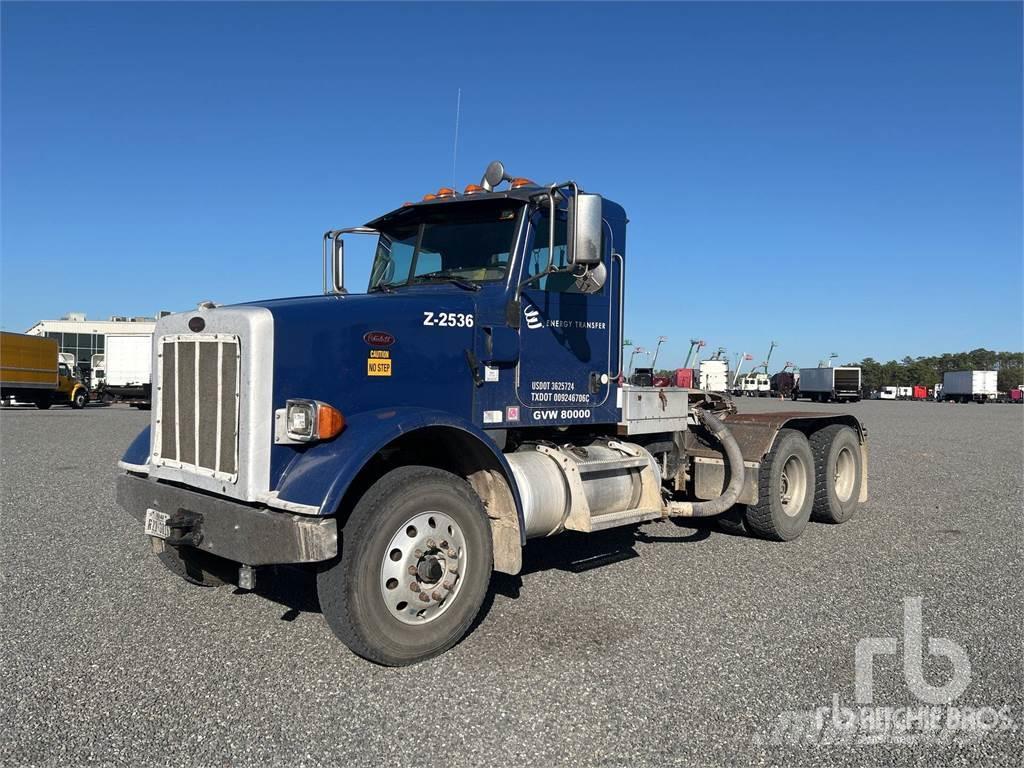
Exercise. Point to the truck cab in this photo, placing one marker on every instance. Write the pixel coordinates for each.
(407, 441)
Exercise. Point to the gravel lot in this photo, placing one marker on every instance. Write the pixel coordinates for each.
(666, 644)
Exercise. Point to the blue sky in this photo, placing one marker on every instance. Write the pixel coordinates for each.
(837, 177)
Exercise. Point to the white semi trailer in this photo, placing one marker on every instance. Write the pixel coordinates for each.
(827, 384)
(969, 386)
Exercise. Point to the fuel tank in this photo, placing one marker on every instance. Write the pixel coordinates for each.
(609, 476)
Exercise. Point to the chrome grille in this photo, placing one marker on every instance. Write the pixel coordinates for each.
(197, 404)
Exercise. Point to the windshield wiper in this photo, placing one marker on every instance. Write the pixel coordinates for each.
(466, 284)
(382, 287)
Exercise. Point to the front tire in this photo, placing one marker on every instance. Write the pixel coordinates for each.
(414, 569)
(785, 489)
(79, 400)
(838, 473)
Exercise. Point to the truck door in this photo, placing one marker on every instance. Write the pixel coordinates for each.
(565, 341)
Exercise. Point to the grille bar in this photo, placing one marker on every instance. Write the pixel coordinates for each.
(198, 404)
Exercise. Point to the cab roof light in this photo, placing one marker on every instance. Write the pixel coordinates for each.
(473, 189)
(444, 192)
(429, 196)
(520, 182)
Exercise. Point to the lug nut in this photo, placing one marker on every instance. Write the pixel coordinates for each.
(436, 596)
(414, 586)
(424, 597)
(452, 553)
(431, 543)
(412, 570)
(447, 585)
(444, 545)
(418, 553)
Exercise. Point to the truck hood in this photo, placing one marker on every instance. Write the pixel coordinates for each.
(325, 348)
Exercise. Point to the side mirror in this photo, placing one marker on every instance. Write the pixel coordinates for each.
(584, 229)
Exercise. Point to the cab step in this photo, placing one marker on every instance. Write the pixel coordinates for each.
(625, 517)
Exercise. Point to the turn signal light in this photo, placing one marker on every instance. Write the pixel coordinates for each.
(472, 189)
(329, 421)
(521, 182)
(445, 192)
(429, 196)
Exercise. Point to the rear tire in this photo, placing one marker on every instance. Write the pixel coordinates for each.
(43, 403)
(838, 473)
(414, 570)
(785, 489)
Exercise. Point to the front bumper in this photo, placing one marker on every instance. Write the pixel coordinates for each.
(231, 530)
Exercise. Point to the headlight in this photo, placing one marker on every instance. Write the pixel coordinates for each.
(310, 420)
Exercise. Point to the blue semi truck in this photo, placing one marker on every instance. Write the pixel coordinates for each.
(406, 442)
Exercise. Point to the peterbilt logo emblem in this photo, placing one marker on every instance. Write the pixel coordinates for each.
(532, 315)
(378, 338)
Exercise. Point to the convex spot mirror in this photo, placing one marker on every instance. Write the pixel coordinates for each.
(584, 229)
(592, 279)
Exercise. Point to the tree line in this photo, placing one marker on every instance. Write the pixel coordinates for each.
(927, 371)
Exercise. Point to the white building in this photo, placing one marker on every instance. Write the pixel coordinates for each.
(84, 338)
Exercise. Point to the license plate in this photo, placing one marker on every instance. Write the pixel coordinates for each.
(156, 524)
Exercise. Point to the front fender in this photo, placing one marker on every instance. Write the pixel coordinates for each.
(320, 475)
(137, 454)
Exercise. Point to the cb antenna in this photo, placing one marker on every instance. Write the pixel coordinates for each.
(455, 148)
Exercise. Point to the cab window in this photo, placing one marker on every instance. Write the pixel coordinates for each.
(538, 255)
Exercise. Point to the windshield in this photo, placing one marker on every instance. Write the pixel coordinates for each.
(460, 241)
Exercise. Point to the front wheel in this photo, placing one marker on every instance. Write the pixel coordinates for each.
(414, 568)
(80, 399)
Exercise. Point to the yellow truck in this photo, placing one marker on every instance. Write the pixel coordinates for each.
(31, 372)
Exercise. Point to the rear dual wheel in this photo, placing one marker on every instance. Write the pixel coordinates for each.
(839, 472)
(785, 489)
(803, 479)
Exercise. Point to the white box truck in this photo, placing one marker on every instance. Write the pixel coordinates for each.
(714, 375)
(969, 386)
(129, 368)
(827, 384)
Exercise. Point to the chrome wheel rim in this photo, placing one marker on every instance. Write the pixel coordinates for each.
(844, 475)
(793, 488)
(423, 567)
